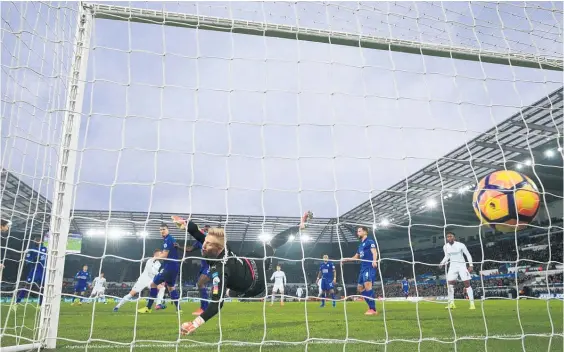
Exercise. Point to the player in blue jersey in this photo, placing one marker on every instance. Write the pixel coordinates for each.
(204, 276)
(83, 282)
(169, 270)
(35, 261)
(328, 276)
(368, 256)
(405, 287)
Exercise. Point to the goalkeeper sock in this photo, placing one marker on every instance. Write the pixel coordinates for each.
(450, 293)
(367, 294)
(21, 295)
(152, 295)
(470, 293)
(160, 296)
(124, 299)
(174, 297)
(334, 297)
(204, 297)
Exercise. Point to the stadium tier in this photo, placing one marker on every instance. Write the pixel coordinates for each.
(250, 176)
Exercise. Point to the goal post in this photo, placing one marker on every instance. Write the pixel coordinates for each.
(64, 186)
(67, 176)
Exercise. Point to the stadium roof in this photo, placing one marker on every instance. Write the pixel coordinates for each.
(445, 182)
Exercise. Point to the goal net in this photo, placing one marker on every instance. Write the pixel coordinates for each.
(380, 118)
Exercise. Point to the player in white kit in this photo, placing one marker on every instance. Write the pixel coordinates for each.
(320, 286)
(299, 293)
(99, 288)
(455, 252)
(279, 282)
(144, 281)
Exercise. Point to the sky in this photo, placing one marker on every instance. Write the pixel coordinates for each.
(194, 121)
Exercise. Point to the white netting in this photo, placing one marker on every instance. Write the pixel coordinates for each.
(251, 114)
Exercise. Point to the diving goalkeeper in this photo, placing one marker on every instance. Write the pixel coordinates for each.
(242, 276)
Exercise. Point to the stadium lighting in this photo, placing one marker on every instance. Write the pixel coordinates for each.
(305, 238)
(559, 149)
(463, 190)
(142, 234)
(549, 153)
(528, 162)
(385, 222)
(519, 166)
(114, 233)
(374, 226)
(92, 233)
(431, 203)
(291, 238)
(264, 237)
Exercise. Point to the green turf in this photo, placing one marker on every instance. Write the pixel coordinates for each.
(325, 329)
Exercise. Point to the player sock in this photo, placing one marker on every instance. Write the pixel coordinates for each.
(124, 299)
(334, 297)
(367, 294)
(174, 296)
(450, 293)
(21, 295)
(160, 296)
(470, 293)
(322, 299)
(152, 295)
(204, 297)
(282, 298)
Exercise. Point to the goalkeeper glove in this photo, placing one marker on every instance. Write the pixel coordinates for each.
(190, 326)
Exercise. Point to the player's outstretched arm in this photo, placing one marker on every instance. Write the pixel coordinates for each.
(192, 228)
(281, 238)
(219, 278)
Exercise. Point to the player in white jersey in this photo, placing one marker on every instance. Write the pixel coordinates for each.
(455, 252)
(99, 288)
(279, 282)
(320, 286)
(151, 269)
(299, 293)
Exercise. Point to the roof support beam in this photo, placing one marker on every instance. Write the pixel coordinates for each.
(449, 176)
(323, 231)
(419, 185)
(502, 147)
(475, 163)
(535, 126)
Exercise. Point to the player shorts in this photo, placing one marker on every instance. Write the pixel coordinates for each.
(36, 276)
(278, 288)
(454, 271)
(367, 275)
(142, 283)
(98, 291)
(80, 288)
(205, 270)
(166, 275)
(406, 290)
(326, 285)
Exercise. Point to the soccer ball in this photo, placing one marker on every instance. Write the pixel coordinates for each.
(506, 200)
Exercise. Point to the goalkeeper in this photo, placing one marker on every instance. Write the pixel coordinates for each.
(242, 276)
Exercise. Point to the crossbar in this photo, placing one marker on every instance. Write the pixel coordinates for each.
(167, 18)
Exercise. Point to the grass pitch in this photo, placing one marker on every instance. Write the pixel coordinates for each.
(405, 326)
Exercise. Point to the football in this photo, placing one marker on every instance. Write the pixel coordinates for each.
(506, 200)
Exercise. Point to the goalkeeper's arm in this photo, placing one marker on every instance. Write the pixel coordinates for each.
(219, 279)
